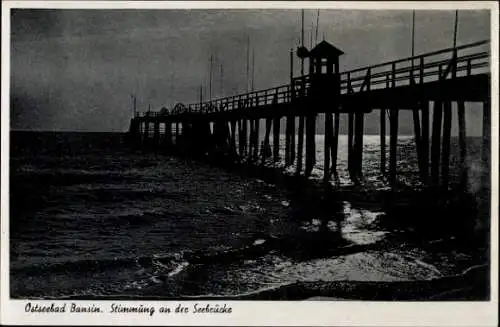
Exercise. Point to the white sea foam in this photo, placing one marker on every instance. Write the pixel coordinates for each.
(178, 269)
(259, 242)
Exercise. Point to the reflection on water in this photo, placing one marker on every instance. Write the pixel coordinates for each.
(360, 225)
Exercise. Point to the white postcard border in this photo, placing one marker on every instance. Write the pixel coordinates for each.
(345, 313)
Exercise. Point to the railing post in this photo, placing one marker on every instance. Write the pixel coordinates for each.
(454, 64)
(412, 80)
(368, 79)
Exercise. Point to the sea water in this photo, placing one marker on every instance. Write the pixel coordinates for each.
(91, 217)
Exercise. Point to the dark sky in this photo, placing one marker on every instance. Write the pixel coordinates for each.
(76, 69)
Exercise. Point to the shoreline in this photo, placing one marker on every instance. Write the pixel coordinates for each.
(466, 286)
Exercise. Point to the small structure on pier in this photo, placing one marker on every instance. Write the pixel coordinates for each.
(324, 96)
(324, 61)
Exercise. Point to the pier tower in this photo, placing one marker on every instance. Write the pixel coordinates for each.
(324, 71)
(324, 96)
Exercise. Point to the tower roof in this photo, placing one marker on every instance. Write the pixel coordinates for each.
(325, 50)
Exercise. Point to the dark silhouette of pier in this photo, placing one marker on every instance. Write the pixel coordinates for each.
(459, 74)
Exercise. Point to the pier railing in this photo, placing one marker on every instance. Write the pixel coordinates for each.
(466, 60)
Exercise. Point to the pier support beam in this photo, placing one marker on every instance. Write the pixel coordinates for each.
(276, 139)
(335, 143)
(417, 136)
(358, 144)
(222, 142)
(292, 139)
(210, 132)
(241, 144)
(287, 141)
(162, 125)
(382, 142)
(226, 137)
(267, 147)
(425, 142)
(133, 131)
(177, 134)
(168, 134)
(216, 136)
(486, 146)
(310, 144)
(187, 138)
(241, 141)
(233, 138)
(436, 142)
(350, 144)
(300, 145)
(146, 131)
(256, 128)
(244, 136)
(394, 125)
(140, 131)
(251, 139)
(328, 147)
(462, 134)
(445, 169)
(156, 133)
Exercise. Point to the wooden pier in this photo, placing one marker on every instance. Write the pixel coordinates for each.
(229, 127)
